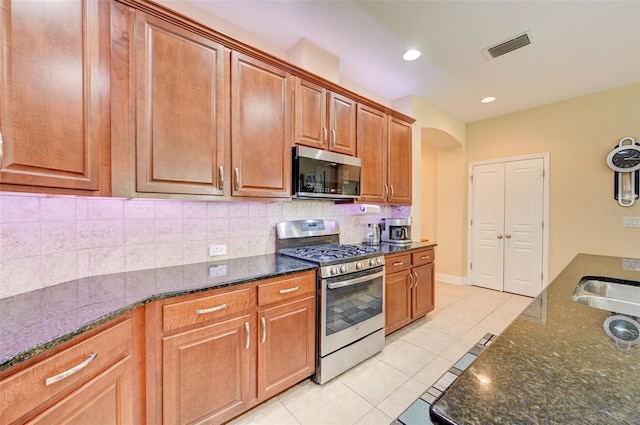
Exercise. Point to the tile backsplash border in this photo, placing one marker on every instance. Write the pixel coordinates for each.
(50, 239)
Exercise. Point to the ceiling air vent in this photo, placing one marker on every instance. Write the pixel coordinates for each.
(508, 46)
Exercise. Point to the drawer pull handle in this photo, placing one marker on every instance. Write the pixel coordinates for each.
(399, 263)
(264, 329)
(248, 332)
(425, 257)
(212, 309)
(290, 290)
(67, 373)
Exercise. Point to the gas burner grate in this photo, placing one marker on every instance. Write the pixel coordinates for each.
(331, 252)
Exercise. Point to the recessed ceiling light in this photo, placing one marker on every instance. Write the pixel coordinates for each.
(411, 55)
(488, 99)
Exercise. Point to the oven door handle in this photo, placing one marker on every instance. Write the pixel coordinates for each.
(357, 280)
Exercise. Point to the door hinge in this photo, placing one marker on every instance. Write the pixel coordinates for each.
(471, 178)
(470, 265)
(541, 276)
(472, 222)
(542, 224)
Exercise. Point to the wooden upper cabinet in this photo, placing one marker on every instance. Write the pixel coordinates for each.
(53, 73)
(372, 150)
(180, 110)
(311, 114)
(324, 120)
(399, 155)
(261, 128)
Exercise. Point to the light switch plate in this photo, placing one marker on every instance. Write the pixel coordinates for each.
(215, 250)
(220, 270)
(630, 221)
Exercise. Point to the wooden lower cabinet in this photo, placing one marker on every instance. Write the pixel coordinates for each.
(105, 399)
(409, 288)
(222, 352)
(205, 373)
(286, 352)
(95, 378)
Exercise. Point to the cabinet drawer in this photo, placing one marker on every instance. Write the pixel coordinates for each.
(397, 263)
(181, 314)
(29, 388)
(423, 257)
(286, 289)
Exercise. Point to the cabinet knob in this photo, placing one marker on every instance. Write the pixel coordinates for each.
(508, 236)
(499, 236)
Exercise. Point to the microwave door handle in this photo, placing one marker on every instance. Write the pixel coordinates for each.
(336, 285)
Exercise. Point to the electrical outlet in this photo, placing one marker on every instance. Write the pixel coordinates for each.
(220, 270)
(630, 221)
(631, 264)
(215, 250)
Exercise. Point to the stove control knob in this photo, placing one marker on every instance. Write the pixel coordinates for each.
(334, 270)
(358, 265)
(372, 262)
(378, 262)
(343, 269)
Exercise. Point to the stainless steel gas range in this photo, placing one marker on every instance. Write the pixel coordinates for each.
(350, 289)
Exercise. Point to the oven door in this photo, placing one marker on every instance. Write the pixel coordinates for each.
(351, 307)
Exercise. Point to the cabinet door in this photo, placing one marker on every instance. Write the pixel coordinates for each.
(372, 150)
(286, 346)
(50, 82)
(397, 301)
(422, 294)
(261, 128)
(206, 373)
(106, 399)
(180, 110)
(342, 124)
(399, 162)
(311, 114)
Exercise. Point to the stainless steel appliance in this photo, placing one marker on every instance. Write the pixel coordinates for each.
(325, 175)
(372, 235)
(350, 306)
(396, 230)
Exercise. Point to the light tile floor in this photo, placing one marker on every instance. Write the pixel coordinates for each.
(378, 390)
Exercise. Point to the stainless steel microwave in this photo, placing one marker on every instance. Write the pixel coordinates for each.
(319, 174)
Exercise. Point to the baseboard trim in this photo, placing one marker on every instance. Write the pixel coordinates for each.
(447, 278)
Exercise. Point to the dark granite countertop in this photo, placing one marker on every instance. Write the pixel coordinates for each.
(390, 249)
(38, 320)
(553, 365)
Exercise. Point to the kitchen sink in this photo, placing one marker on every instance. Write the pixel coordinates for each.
(610, 294)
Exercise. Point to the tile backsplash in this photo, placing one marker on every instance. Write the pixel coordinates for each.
(46, 239)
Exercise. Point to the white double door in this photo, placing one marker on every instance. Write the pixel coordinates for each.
(507, 212)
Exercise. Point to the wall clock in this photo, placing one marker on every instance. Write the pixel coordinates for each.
(624, 159)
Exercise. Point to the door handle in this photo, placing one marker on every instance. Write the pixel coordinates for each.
(391, 190)
(417, 280)
(386, 192)
(248, 332)
(264, 329)
(499, 236)
(333, 137)
(212, 309)
(410, 281)
(221, 171)
(237, 182)
(67, 373)
(324, 135)
(508, 236)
